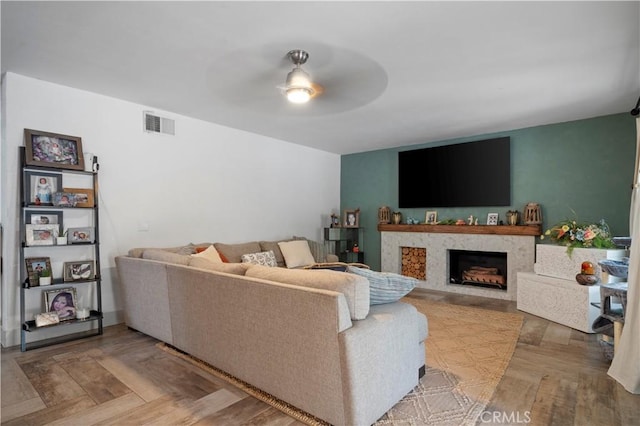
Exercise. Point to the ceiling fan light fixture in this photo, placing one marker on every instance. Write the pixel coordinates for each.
(298, 87)
(298, 95)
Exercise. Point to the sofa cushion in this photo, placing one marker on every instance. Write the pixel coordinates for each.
(229, 268)
(188, 249)
(265, 258)
(354, 288)
(233, 252)
(209, 253)
(165, 256)
(296, 253)
(275, 248)
(385, 287)
(318, 250)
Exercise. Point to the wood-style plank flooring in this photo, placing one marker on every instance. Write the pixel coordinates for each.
(557, 376)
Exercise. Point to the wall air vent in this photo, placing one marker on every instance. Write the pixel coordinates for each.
(156, 124)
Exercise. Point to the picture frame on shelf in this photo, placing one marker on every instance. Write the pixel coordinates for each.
(80, 270)
(40, 187)
(431, 217)
(64, 199)
(41, 235)
(351, 218)
(53, 150)
(44, 217)
(83, 197)
(62, 301)
(35, 265)
(83, 235)
(492, 219)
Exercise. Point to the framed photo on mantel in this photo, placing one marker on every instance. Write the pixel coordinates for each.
(431, 217)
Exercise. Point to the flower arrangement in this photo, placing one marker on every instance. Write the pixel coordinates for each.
(574, 234)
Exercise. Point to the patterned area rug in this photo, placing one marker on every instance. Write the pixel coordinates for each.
(468, 351)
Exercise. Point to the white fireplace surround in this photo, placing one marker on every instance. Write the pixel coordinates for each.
(520, 250)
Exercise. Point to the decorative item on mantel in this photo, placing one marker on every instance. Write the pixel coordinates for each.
(384, 215)
(335, 221)
(532, 214)
(512, 217)
(397, 218)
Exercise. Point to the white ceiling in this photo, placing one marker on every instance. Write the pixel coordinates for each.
(395, 73)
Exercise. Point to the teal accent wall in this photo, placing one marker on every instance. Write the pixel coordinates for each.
(580, 169)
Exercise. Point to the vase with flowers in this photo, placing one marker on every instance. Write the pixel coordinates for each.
(575, 243)
(573, 234)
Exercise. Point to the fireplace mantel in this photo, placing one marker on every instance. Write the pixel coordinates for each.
(530, 230)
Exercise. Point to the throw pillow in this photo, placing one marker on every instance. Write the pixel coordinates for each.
(273, 245)
(296, 253)
(385, 287)
(265, 258)
(210, 253)
(318, 250)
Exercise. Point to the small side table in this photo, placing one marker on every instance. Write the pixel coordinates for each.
(607, 292)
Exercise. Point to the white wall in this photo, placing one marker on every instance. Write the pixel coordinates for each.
(207, 183)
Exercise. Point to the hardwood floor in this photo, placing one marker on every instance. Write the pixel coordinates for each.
(557, 376)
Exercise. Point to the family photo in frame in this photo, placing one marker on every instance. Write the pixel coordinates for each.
(82, 197)
(41, 235)
(431, 217)
(35, 266)
(79, 270)
(41, 186)
(43, 217)
(80, 235)
(62, 301)
(53, 150)
(64, 199)
(352, 218)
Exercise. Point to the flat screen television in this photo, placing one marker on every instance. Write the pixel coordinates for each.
(472, 174)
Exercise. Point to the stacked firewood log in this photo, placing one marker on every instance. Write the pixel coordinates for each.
(484, 275)
(414, 262)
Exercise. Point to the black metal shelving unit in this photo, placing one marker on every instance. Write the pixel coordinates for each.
(95, 318)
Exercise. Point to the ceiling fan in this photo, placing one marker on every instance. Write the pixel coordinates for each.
(299, 88)
(334, 79)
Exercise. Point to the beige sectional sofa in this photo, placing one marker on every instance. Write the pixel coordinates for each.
(308, 337)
